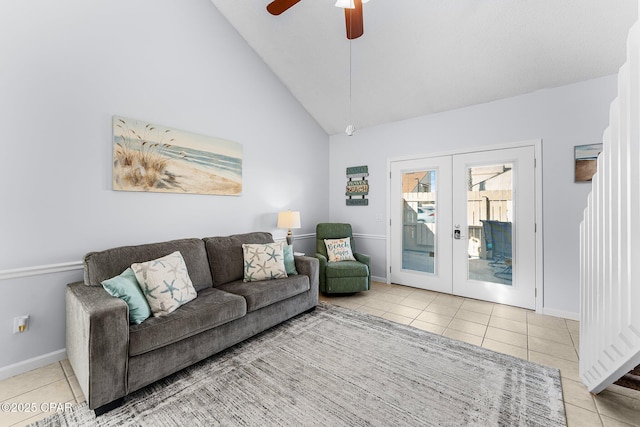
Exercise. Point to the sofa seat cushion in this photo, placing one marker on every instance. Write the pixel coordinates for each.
(212, 307)
(264, 293)
(346, 269)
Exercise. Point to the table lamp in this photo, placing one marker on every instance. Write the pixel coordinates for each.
(289, 220)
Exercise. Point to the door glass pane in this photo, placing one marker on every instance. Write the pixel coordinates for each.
(419, 221)
(490, 219)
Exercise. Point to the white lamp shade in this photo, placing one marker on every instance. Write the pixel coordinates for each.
(289, 219)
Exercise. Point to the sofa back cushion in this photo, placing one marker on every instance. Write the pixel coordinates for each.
(226, 257)
(99, 266)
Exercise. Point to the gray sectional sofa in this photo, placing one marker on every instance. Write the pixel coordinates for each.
(112, 358)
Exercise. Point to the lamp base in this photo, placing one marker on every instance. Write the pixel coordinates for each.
(289, 239)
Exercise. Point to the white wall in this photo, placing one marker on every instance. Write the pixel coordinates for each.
(67, 67)
(562, 117)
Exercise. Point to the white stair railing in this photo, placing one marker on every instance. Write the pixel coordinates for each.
(610, 240)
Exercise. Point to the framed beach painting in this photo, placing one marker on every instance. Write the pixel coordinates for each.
(586, 158)
(149, 157)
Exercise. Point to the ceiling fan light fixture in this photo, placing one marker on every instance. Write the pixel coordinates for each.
(346, 4)
(350, 130)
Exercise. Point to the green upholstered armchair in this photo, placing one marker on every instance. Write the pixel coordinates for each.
(341, 276)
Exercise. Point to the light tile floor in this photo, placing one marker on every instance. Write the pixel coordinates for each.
(521, 333)
(37, 394)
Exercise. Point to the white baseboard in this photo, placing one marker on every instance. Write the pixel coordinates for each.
(379, 279)
(560, 313)
(33, 363)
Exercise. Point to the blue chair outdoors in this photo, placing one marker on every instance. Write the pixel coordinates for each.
(498, 237)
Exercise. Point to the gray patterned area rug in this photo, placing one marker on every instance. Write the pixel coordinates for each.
(338, 367)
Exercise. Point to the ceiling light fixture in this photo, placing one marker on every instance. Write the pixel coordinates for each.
(348, 4)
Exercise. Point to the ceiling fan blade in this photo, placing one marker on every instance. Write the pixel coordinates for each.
(276, 7)
(354, 21)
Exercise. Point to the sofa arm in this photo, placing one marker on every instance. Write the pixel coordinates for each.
(309, 267)
(97, 342)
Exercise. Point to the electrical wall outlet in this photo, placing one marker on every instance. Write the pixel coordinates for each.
(20, 324)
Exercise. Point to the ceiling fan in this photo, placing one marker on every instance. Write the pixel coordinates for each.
(352, 13)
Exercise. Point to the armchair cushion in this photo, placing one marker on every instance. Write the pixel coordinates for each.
(346, 269)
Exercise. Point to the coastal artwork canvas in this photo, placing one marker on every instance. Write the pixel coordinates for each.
(149, 157)
(586, 157)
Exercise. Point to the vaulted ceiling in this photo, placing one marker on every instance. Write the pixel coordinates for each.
(418, 57)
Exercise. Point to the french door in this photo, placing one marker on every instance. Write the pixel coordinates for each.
(465, 224)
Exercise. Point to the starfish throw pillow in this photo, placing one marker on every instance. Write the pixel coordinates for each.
(165, 283)
(263, 261)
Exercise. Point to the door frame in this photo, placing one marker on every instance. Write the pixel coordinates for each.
(537, 145)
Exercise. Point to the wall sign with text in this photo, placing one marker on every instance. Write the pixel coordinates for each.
(357, 186)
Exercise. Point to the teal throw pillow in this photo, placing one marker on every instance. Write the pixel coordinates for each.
(126, 287)
(289, 261)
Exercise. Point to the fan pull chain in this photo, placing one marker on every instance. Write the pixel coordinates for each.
(350, 128)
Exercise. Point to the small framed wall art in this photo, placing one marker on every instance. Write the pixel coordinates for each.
(357, 186)
(586, 161)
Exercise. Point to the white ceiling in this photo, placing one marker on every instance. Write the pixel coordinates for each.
(424, 56)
